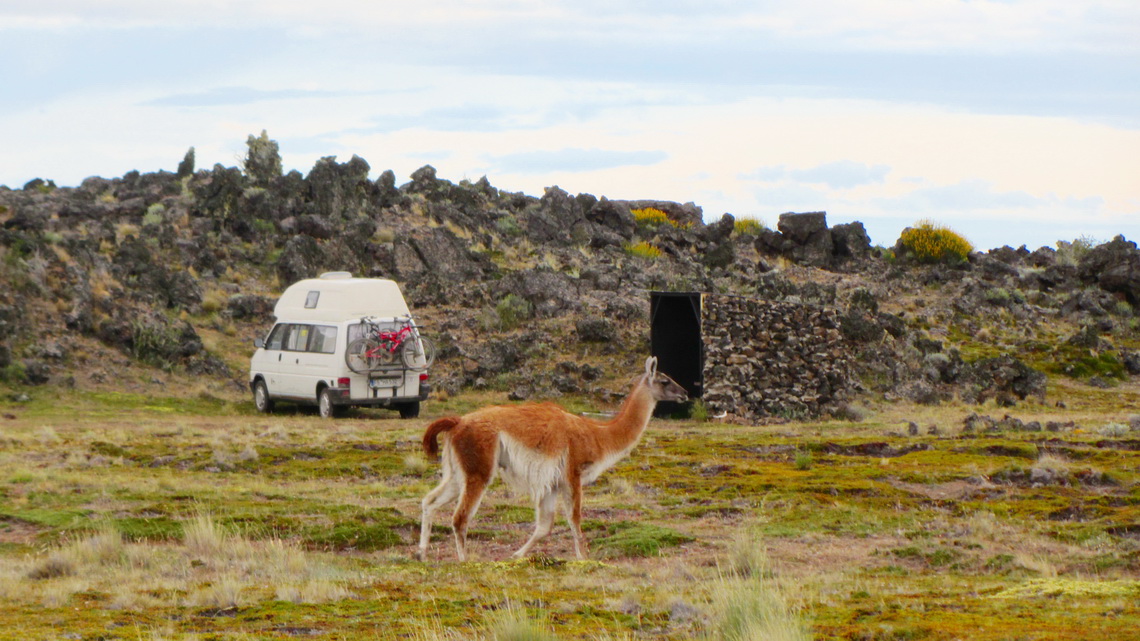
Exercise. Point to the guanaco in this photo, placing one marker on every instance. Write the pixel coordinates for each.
(541, 450)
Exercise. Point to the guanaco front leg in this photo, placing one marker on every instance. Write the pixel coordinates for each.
(443, 494)
(544, 509)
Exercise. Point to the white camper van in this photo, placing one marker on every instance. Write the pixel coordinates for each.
(341, 341)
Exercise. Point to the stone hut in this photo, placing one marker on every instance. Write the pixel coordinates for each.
(753, 359)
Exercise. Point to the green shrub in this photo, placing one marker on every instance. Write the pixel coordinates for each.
(156, 343)
(930, 242)
(1071, 253)
(265, 227)
(803, 460)
(155, 215)
(13, 373)
(512, 310)
(509, 226)
(698, 411)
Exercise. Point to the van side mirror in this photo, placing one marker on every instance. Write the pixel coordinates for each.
(259, 342)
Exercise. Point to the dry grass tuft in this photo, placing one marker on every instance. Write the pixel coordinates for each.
(748, 557)
(103, 549)
(1036, 564)
(203, 537)
(1052, 463)
(746, 609)
(57, 564)
(224, 592)
(747, 603)
(415, 464)
(513, 624)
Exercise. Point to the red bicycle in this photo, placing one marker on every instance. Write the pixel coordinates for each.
(380, 348)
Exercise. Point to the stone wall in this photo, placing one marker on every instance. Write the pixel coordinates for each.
(766, 359)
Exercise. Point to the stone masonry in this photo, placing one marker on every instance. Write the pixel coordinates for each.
(767, 359)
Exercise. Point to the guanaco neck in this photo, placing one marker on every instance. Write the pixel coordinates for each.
(626, 428)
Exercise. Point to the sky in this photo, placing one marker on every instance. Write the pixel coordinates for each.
(1011, 121)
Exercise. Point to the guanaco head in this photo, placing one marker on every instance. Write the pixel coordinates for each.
(661, 386)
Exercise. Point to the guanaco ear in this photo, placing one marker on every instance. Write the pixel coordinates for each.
(651, 366)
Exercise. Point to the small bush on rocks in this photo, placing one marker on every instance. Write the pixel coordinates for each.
(643, 250)
(930, 242)
(512, 310)
(653, 218)
(747, 226)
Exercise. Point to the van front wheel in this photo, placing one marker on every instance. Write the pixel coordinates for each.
(261, 399)
(325, 404)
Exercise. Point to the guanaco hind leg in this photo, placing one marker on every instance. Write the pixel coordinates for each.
(446, 492)
(473, 490)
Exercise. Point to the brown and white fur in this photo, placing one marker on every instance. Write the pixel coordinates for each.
(541, 450)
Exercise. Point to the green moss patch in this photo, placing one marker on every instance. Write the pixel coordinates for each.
(626, 538)
(160, 528)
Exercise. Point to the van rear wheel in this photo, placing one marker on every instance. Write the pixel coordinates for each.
(410, 410)
(325, 404)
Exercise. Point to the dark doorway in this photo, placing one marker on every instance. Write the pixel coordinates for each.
(675, 339)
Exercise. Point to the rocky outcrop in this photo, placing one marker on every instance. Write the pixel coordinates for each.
(1115, 267)
(806, 239)
(207, 247)
(1005, 377)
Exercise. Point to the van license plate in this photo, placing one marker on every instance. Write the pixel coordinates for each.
(386, 381)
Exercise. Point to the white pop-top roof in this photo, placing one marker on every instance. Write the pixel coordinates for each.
(337, 296)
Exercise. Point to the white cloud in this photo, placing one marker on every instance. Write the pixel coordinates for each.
(884, 25)
(873, 110)
(840, 174)
(573, 160)
(978, 198)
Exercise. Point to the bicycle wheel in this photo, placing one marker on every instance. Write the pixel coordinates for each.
(417, 352)
(357, 357)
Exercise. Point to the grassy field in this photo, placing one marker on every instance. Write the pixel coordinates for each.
(128, 517)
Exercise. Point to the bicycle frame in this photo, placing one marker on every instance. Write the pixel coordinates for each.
(390, 341)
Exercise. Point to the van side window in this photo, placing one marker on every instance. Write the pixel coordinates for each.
(323, 340)
(277, 337)
(298, 340)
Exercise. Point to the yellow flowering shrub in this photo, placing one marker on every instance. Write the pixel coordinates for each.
(747, 226)
(653, 217)
(643, 249)
(931, 242)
